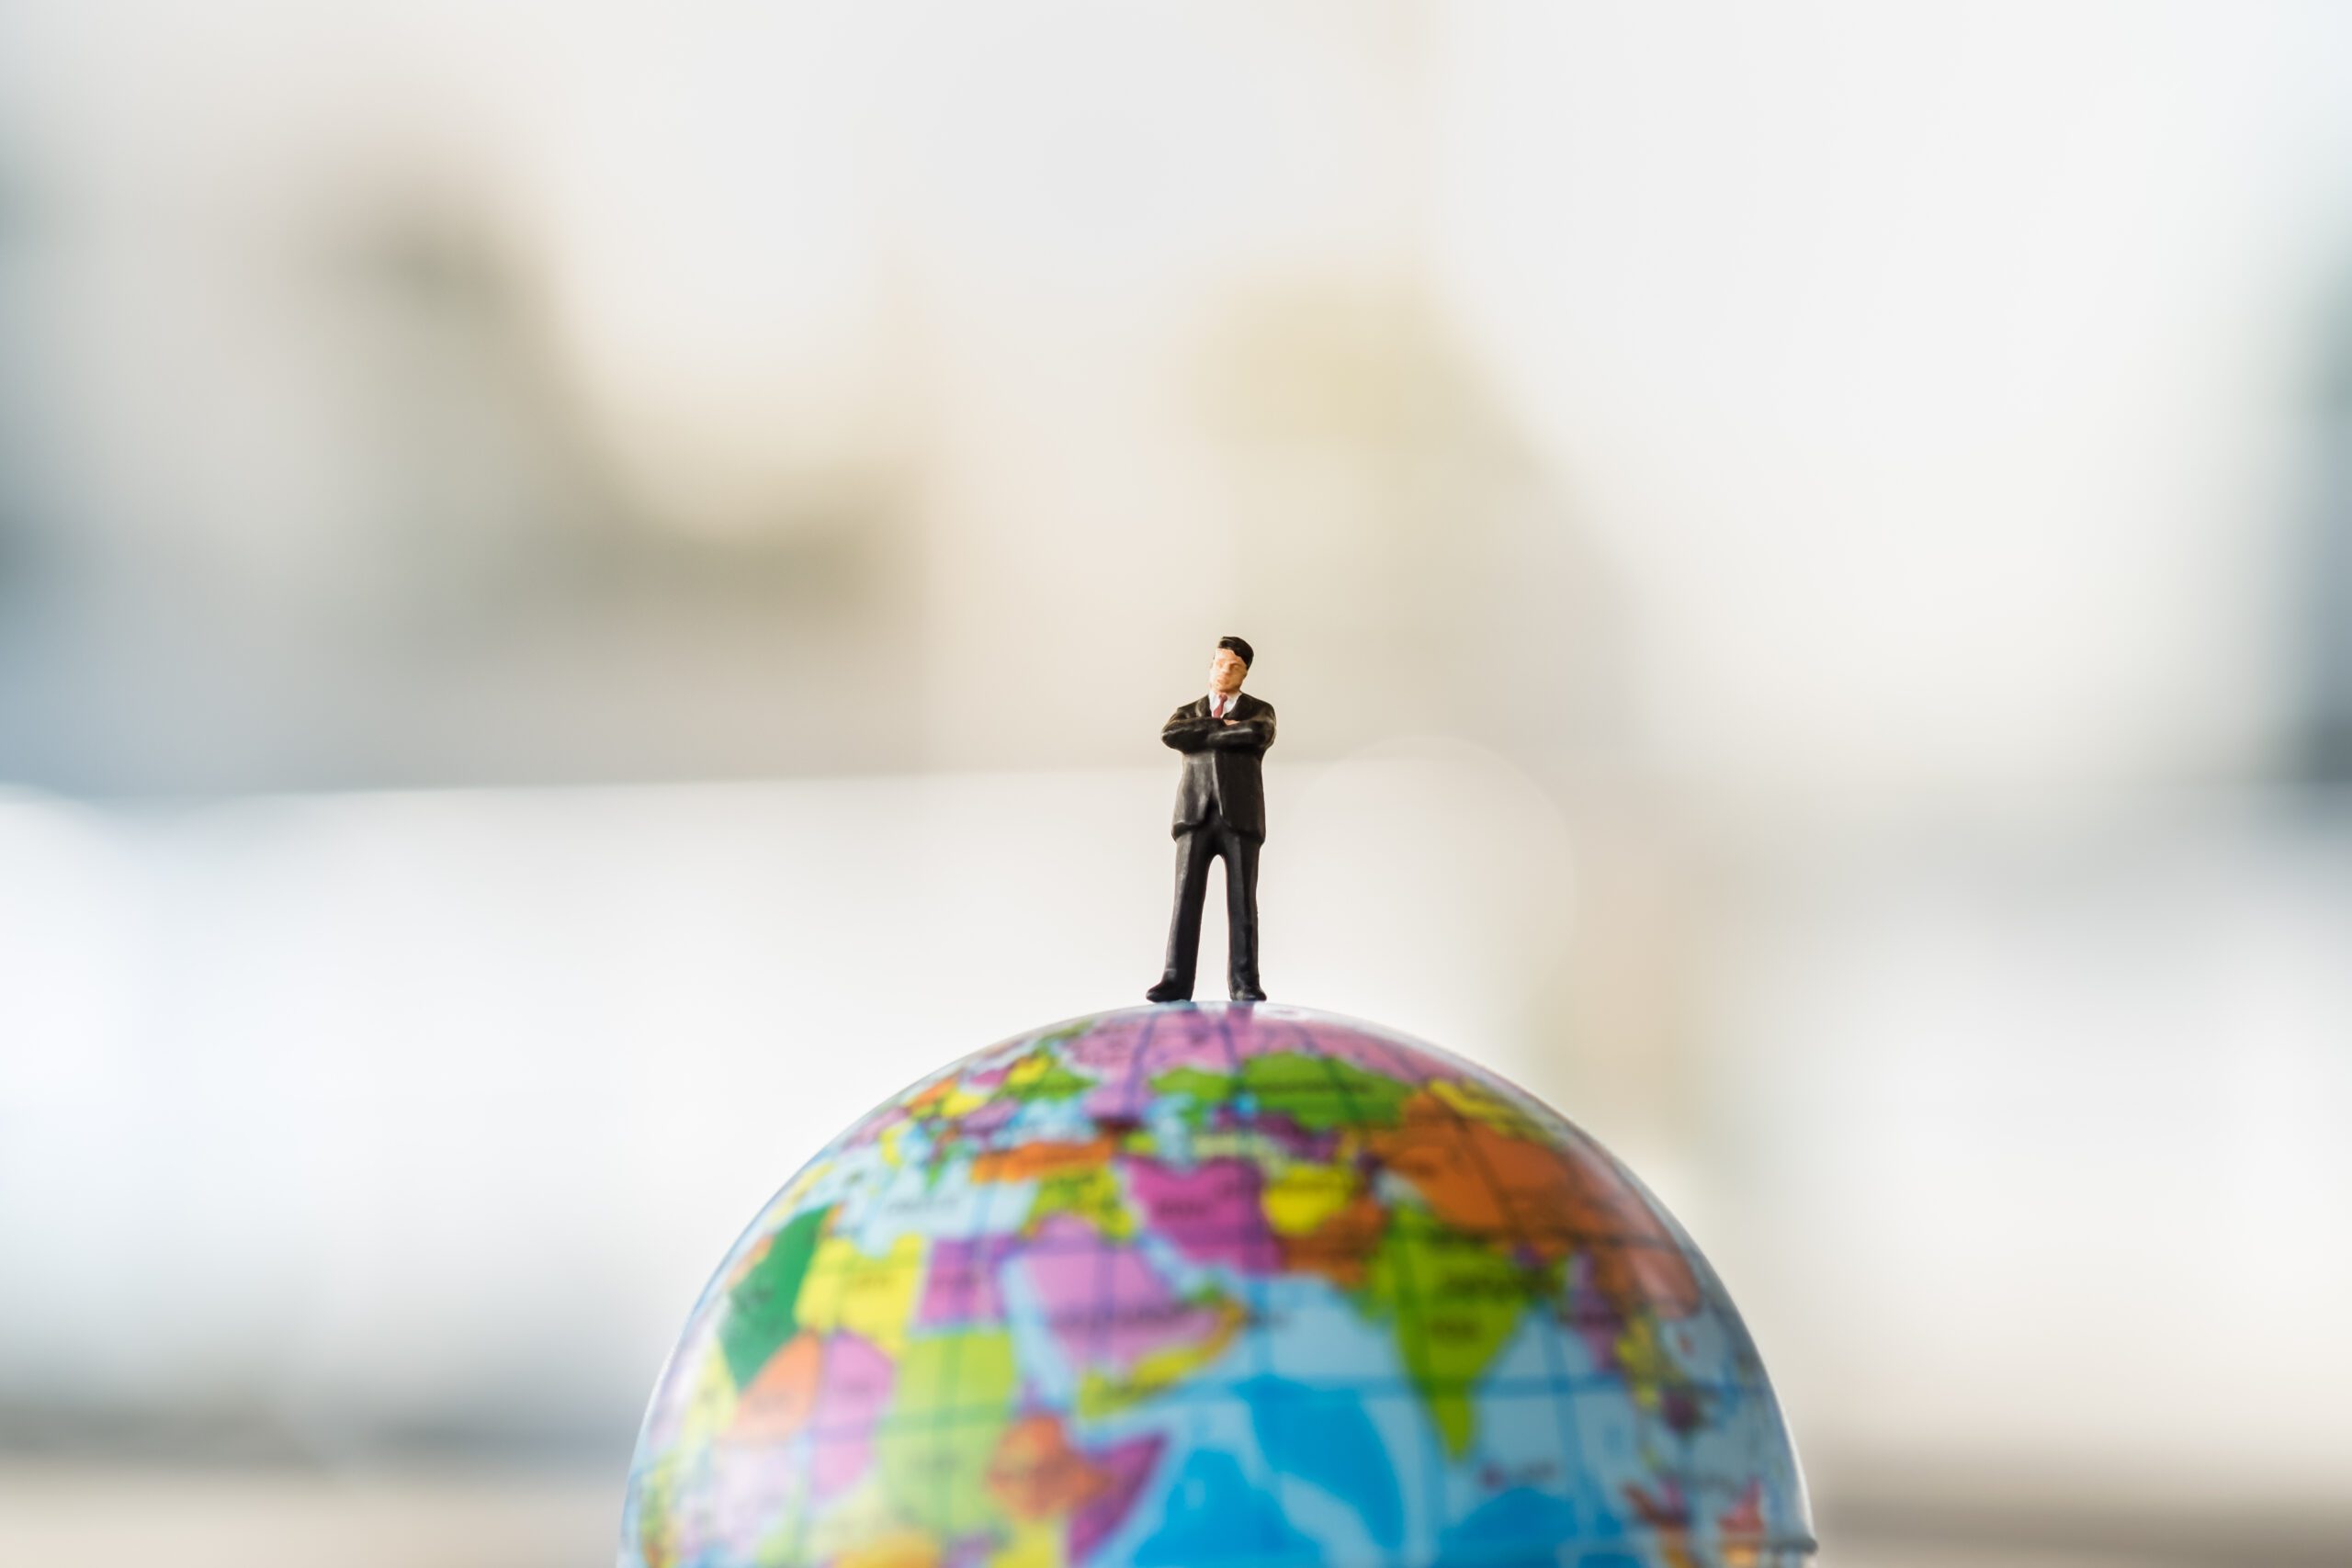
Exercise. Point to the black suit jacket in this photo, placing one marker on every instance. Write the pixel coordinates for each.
(1221, 764)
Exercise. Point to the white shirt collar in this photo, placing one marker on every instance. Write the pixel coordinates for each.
(1230, 703)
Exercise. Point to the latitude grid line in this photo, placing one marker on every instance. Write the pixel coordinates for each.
(1401, 1390)
(998, 1249)
(998, 1141)
(1448, 1067)
(1465, 1240)
(1471, 1235)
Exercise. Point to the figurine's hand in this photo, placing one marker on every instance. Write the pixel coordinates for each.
(1239, 734)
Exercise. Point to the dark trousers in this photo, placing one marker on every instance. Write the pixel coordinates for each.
(1194, 849)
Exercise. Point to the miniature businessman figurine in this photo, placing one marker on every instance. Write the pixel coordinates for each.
(1220, 810)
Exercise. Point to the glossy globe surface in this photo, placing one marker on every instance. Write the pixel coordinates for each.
(1213, 1286)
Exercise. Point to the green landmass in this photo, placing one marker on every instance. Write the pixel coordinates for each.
(1454, 1303)
(762, 1309)
(1091, 1193)
(954, 1400)
(1057, 1082)
(1201, 1092)
(1320, 1093)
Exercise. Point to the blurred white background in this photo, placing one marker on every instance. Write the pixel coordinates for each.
(586, 590)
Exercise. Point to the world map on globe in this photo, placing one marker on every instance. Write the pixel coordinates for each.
(1196, 1286)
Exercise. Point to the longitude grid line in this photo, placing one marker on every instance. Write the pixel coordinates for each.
(810, 1438)
(1680, 1242)
(1262, 1340)
(804, 1520)
(1732, 1392)
(1409, 1295)
(1098, 1321)
(805, 1516)
(943, 1418)
(1562, 1398)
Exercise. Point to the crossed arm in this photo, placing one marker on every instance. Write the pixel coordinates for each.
(1187, 733)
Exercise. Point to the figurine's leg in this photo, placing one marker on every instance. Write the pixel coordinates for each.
(1241, 918)
(1194, 852)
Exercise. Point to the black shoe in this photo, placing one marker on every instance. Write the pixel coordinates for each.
(1168, 990)
(1250, 993)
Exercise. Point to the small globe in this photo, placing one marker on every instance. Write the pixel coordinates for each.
(1206, 1287)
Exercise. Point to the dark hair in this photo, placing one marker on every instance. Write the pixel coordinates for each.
(1241, 649)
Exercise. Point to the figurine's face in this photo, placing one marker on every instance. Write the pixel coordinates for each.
(1225, 671)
